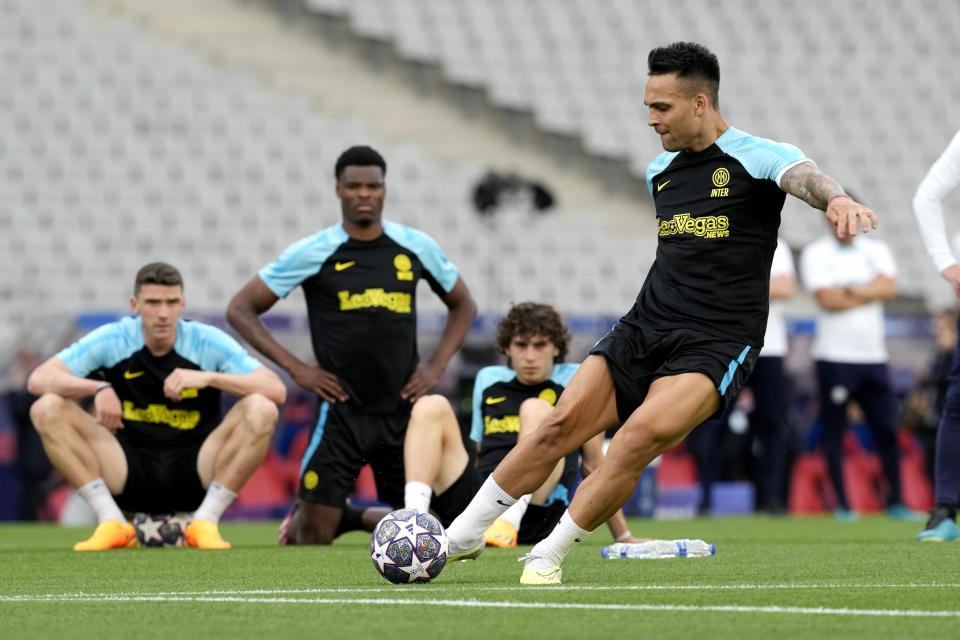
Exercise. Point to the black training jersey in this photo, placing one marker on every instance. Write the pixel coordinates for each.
(497, 396)
(718, 212)
(361, 302)
(117, 351)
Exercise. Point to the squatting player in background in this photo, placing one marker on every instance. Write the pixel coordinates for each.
(157, 441)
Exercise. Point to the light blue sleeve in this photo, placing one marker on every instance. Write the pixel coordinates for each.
(103, 347)
(485, 378)
(563, 372)
(427, 251)
(212, 349)
(656, 166)
(301, 260)
(763, 159)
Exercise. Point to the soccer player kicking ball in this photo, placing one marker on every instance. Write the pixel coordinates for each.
(157, 441)
(692, 337)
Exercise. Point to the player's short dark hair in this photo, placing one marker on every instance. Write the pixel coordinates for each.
(157, 273)
(690, 61)
(359, 156)
(533, 319)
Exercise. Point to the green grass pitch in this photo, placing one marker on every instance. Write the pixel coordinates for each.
(774, 578)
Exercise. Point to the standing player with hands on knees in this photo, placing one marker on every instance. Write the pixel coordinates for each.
(157, 441)
(360, 279)
(943, 178)
(692, 337)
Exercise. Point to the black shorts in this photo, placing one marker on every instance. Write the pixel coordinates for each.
(161, 480)
(451, 503)
(638, 356)
(346, 438)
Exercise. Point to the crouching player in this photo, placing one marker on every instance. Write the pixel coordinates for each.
(157, 441)
(509, 403)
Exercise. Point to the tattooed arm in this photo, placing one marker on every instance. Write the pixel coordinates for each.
(820, 191)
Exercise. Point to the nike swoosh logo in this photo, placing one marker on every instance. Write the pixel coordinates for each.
(340, 266)
(548, 575)
(662, 185)
(496, 400)
(501, 502)
(130, 375)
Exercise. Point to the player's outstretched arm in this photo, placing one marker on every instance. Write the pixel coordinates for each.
(262, 381)
(820, 191)
(243, 314)
(461, 310)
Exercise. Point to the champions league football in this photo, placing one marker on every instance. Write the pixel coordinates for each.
(409, 546)
(160, 530)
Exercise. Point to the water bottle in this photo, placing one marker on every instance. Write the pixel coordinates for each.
(659, 549)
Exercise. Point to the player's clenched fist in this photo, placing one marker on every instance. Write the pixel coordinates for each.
(183, 379)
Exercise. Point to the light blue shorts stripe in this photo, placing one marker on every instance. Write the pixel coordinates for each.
(316, 438)
(728, 376)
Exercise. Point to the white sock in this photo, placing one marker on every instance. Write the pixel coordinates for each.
(514, 514)
(561, 540)
(217, 500)
(490, 501)
(97, 495)
(416, 495)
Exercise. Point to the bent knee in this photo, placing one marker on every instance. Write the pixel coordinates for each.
(553, 432)
(48, 407)
(535, 408)
(430, 409)
(312, 531)
(309, 535)
(648, 440)
(260, 413)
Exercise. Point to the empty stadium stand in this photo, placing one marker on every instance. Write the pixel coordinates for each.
(121, 143)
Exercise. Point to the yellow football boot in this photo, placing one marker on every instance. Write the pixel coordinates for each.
(540, 572)
(501, 534)
(109, 534)
(204, 534)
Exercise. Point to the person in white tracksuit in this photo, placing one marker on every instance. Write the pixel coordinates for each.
(943, 177)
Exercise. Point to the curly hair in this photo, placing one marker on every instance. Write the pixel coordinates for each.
(530, 319)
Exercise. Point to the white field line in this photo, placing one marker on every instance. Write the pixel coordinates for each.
(419, 602)
(473, 589)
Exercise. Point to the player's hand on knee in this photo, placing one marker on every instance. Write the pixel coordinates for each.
(181, 380)
(321, 382)
(107, 409)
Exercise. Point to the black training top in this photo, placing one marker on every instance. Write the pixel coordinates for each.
(718, 212)
(117, 351)
(361, 302)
